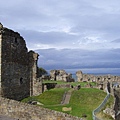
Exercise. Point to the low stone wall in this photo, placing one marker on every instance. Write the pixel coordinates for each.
(81, 77)
(48, 86)
(63, 86)
(24, 111)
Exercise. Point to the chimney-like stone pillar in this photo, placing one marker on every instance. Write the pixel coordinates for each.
(33, 58)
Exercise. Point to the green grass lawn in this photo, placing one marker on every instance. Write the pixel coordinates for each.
(50, 97)
(82, 101)
(85, 101)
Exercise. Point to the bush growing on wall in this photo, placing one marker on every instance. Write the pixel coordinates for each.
(41, 71)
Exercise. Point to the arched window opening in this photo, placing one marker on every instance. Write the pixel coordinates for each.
(21, 80)
(16, 40)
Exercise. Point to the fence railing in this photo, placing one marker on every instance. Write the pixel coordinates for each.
(98, 109)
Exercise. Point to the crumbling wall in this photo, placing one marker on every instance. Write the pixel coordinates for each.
(117, 103)
(0, 59)
(17, 70)
(81, 77)
(61, 75)
(35, 83)
(14, 66)
(85, 77)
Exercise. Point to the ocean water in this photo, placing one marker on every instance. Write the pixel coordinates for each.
(74, 76)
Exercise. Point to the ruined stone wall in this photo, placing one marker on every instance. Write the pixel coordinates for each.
(18, 67)
(23, 111)
(37, 87)
(85, 77)
(35, 83)
(92, 78)
(117, 103)
(14, 66)
(61, 75)
(79, 75)
(0, 62)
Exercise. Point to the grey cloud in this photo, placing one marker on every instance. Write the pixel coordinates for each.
(77, 58)
(81, 16)
(105, 25)
(116, 40)
(71, 24)
(20, 13)
(99, 22)
(48, 38)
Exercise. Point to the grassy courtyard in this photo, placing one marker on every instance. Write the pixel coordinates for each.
(82, 101)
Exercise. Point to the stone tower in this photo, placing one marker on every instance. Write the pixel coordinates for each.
(18, 67)
(79, 75)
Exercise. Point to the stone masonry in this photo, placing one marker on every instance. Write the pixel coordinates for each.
(81, 77)
(18, 67)
(61, 75)
(24, 111)
(101, 80)
(18, 79)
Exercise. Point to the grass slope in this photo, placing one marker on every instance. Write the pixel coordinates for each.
(82, 101)
(51, 97)
(85, 101)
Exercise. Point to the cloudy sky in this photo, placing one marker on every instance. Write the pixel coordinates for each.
(68, 34)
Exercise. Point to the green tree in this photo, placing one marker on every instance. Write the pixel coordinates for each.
(41, 71)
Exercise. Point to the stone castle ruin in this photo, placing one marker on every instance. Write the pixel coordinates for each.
(18, 80)
(18, 67)
(101, 80)
(81, 77)
(61, 75)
